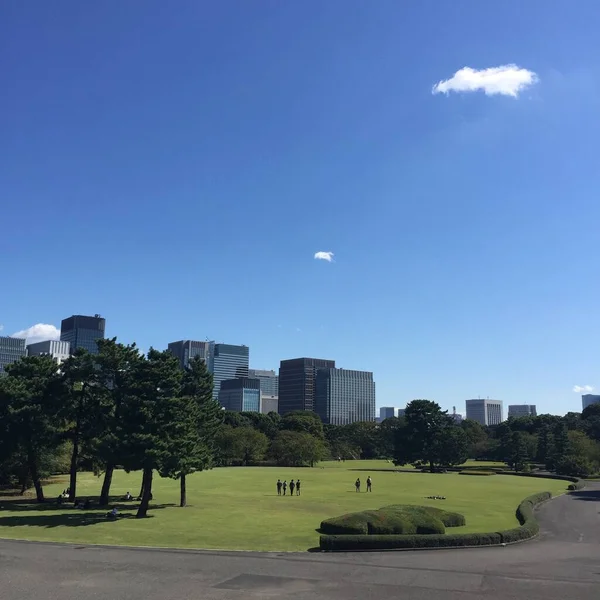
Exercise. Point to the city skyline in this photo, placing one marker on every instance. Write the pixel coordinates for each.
(41, 332)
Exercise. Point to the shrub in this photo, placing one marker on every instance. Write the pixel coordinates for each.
(574, 466)
(473, 472)
(579, 485)
(398, 519)
(528, 528)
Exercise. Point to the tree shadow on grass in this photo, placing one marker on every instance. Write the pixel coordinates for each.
(30, 504)
(587, 495)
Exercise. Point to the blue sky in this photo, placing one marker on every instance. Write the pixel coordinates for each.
(176, 166)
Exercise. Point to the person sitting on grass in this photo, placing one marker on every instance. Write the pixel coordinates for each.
(112, 514)
(128, 496)
(292, 486)
(87, 504)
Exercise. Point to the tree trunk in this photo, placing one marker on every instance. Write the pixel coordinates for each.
(39, 492)
(183, 491)
(73, 470)
(145, 503)
(143, 485)
(431, 466)
(106, 484)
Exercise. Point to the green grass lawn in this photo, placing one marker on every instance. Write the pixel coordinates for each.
(238, 508)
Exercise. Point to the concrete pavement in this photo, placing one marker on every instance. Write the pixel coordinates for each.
(563, 562)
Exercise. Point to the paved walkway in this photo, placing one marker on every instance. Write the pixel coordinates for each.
(564, 562)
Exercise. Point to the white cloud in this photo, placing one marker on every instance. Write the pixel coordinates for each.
(507, 80)
(1, 327)
(583, 388)
(328, 256)
(38, 333)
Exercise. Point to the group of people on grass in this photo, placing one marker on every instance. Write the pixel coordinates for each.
(283, 486)
(369, 484)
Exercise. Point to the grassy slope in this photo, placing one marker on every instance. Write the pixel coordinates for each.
(238, 508)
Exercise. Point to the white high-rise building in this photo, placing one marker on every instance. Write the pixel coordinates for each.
(57, 349)
(484, 411)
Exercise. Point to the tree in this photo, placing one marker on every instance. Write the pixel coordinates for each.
(82, 408)
(515, 450)
(117, 369)
(545, 448)
(419, 442)
(574, 466)
(365, 435)
(297, 449)
(241, 444)
(561, 446)
(476, 436)
(452, 446)
(149, 433)
(303, 421)
(31, 395)
(194, 420)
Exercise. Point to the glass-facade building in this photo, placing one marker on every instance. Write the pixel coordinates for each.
(484, 411)
(269, 381)
(11, 350)
(344, 396)
(588, 400)
(82, 332)
(522, 410)
(185, 350)
(228, 362)
(241, 394)
(297, 383)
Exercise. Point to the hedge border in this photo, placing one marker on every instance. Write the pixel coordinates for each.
(528, 529)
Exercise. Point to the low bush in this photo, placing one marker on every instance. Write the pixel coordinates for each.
(398, 519)
(525, 514)
(579, 485)
(473, 472)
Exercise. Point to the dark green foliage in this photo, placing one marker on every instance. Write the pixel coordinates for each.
(296, 449)
(240, 445)
(475, 472)
(429, 437)
(394, 520)
(303, 421)
(528, 529)
(575, 466)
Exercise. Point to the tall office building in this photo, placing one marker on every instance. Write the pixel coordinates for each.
(588, 400)
(82, 332)
(297, 383)
(11, 350)
(344, 396)
(240, 394)
(521, 410)
(385, 412)
(269, 381)
(185, 350)
(485, 412)
(229, 362)
(58, 350)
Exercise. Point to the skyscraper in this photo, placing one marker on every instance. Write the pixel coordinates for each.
(58, 350)
(240, 394)
(185, 350)
(229, 362)
(82, 332)
(344, 396)
(485, 412)
(521, 410)
(589, 399)
(11, 350)
(385, 412)
(297, 383)
(269, 381)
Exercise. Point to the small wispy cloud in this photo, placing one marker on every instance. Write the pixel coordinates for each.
(38, 333)
(328, 256)
(1, 327)
(578, 389)
(506, 80)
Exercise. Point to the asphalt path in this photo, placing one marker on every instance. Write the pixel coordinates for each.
(564, 562)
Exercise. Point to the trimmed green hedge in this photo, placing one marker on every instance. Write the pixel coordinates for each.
(397, 519)
(483, 473)
(528, 529)
(577, 485)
